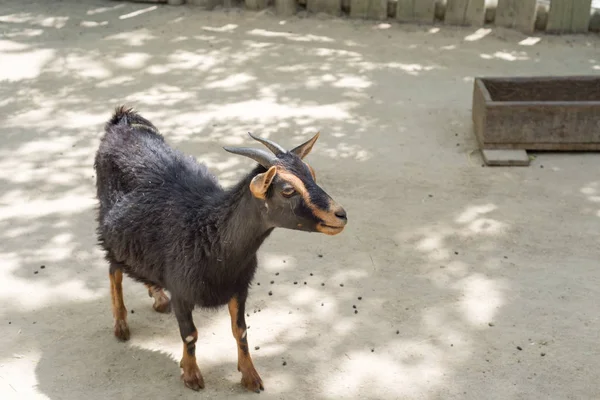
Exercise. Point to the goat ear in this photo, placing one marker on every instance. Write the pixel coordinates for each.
(305, 148)
(312, 171)
(261, 182)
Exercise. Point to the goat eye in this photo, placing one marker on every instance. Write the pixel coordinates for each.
(288, 192)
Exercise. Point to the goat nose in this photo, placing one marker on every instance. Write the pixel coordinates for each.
(341, 214)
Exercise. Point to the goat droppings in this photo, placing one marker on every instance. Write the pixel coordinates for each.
(270, 293)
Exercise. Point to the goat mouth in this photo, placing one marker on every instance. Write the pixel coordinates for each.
(329, 229)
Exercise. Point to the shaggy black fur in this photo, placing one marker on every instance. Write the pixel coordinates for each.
(165, 220)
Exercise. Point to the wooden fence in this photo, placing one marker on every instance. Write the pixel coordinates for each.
(552, 16)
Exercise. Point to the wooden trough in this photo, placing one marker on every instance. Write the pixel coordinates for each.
(515, 114)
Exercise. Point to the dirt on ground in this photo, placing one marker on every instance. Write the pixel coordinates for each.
(452, 280)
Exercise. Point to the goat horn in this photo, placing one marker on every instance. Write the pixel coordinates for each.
(274, 147)
(261, 156)
(305, 148)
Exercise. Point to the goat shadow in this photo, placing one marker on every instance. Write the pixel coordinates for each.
(98, 366)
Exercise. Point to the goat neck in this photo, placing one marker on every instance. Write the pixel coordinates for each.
(244, 226)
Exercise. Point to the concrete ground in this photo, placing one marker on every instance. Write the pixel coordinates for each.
(476, 282)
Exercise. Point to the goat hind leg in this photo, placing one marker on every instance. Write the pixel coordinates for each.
(118, 306)
(162, 304)
(250, 378)
(192, 377)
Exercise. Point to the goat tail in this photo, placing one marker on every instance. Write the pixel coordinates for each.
(126, 116)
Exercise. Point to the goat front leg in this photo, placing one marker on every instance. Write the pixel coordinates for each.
(191, 373)
(250, 378)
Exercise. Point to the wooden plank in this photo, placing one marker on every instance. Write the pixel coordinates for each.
(519, 14)
(595, 21)
(404, 10)
(582, 10)
(475, 13)
(465, 12)
(456, 11)
(572, 16)
(424, 10)
(285, 8)
(415, 10)
(372, 9)
(332, 7)
(256, 5)
(559, 16)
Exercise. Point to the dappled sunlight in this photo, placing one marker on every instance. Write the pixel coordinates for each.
(31, 294)
(592, 192)
(133, 38)
(132, 60)
(370, 374)
(92, 24)
(477, 224)
(44, 21)
(102, 10)
(343, 150)
(478, 34)
(290, 36)
(473, 298)
(16, 379)
(39, 208)
(159, 95)
(397, 306)
(482, 297)
(506, 56)
(530, 41)
(18, 64)
(233, 82)
(82, 65)
(224, 28)
(138, 12)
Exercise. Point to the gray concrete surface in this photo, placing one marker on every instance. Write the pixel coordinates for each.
(476, 282)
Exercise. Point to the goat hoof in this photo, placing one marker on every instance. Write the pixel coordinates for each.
(193, 379)
(162, 305)
(252, 382)
(122, 330)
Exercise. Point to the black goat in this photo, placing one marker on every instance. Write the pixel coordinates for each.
(164, 221)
